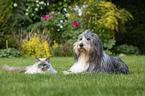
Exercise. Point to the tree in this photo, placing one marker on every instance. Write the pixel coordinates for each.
(5, 14)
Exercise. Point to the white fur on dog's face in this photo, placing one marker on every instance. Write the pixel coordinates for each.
(86, 41)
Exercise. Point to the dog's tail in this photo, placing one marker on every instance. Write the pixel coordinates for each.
(15, 69)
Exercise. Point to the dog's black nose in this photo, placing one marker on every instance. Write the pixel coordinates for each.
(81, 44)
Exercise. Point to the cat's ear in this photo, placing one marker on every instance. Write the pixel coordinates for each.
(47, 59)
(37, 59)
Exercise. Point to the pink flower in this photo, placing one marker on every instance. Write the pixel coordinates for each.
(45, 17)
(52, 12)
(75, 24)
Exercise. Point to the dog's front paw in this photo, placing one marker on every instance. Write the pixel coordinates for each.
(66, 72)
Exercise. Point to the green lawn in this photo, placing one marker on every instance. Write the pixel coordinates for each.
(20, 84)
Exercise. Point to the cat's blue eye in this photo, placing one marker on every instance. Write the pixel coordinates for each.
(39, 65)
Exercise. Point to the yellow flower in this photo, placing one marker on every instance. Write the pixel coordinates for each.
(34, 47)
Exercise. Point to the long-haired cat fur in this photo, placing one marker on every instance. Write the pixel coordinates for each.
(42, 65)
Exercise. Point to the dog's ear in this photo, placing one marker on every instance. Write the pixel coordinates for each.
(47, 59)
(37, 59)
(88, 30)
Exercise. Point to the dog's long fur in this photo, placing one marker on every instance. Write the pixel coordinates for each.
(90, 57)
(33, 68)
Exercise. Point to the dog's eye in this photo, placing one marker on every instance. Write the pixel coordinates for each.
(88, 39)
(80, 38)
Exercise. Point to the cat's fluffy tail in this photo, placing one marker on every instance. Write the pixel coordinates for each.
(15, 69)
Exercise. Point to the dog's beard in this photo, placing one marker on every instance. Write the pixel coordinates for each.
(82, 64)
(83, 56)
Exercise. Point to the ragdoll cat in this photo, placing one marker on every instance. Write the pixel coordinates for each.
(42, 65)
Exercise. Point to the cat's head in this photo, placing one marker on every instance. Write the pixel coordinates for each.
(43, 63)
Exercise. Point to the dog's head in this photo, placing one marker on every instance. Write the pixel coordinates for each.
(88, 43)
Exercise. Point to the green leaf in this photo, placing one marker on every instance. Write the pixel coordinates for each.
(60, 3)
(109, 44)
(65, 5)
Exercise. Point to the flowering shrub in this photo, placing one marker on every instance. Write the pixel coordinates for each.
(73, 27)
(31, 11)
(102, 17)
(59, 27)
(35, 48)
(45, 17)
(52, 23)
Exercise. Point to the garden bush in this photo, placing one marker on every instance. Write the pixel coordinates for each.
(102, 17)
(52, 23)
(135, 30)
(11, 43)
(55, 50)
(9, 53)
(5, 19)
(108, 46)
(31, 11)
(59, 28)
(35, 48)
(63, 20)
(5, 14)
(73, 27)
(127, 49)
(67, 48)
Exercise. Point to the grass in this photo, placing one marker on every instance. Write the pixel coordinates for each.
(20, 84)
